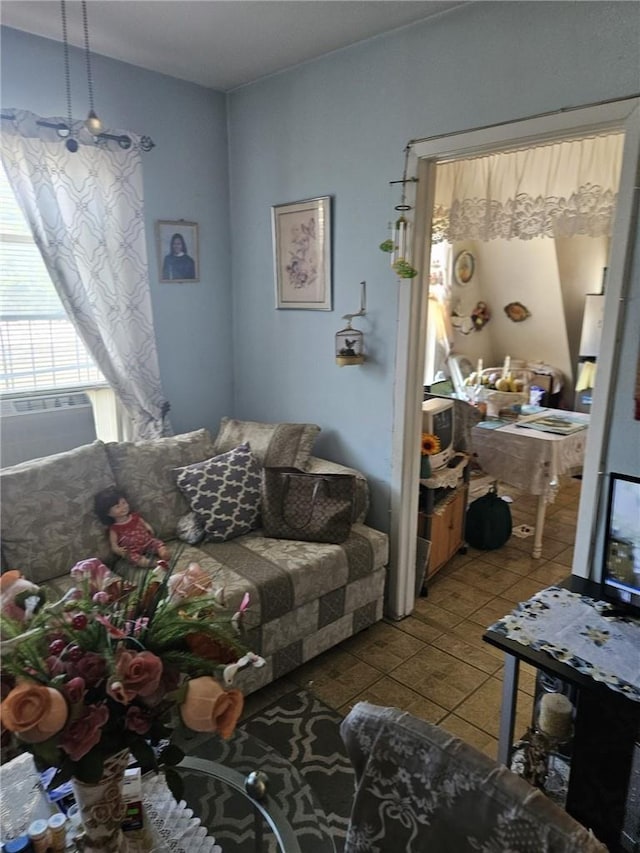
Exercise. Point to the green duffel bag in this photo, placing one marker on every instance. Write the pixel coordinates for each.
(488, 523)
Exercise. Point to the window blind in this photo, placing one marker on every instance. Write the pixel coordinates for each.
(39, 347)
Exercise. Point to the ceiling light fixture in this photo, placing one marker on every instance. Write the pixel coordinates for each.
(92, 123)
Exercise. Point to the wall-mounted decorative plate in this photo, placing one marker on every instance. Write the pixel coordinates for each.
(517, 312)
(463, 268)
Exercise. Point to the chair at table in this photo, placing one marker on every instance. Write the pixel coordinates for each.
(419, 789)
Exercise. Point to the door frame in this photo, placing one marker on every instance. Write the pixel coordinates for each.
(423, 156)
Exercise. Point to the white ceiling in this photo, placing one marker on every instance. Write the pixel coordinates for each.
(221, 44)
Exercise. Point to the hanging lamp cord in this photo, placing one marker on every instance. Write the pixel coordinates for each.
(67, 73)
(87, 53)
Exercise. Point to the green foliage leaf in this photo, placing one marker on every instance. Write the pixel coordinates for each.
(89, 768)
(404, 269)
(171, 755)
(174, 783)
(143, 754)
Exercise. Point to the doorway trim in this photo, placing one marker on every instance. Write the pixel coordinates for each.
(423, 157)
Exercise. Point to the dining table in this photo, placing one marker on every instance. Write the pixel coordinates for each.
(524, 456)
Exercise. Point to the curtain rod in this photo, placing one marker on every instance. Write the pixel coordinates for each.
(124, 141)
(560, 111)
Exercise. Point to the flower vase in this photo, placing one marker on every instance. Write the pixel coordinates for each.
(425, 467)
(102, 808)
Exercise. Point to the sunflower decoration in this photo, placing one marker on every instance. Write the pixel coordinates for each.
(430, 444)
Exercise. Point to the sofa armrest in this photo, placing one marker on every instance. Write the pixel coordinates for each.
(361, 503)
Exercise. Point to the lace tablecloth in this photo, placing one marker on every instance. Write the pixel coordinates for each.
(571, 628)
(168, 826)
(531, 461)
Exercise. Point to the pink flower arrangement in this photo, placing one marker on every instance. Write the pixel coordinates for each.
(114, 665)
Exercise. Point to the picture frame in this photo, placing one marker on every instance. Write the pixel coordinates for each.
(177, 265)
(301, 233)
(463, 268)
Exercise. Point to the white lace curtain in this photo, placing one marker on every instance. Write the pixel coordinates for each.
(85, 210)
(561, 189)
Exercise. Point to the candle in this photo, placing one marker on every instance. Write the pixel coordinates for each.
(507, 365)
(479, 371)
(555, 715)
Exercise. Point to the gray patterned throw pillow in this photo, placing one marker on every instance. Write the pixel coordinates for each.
(224, 492)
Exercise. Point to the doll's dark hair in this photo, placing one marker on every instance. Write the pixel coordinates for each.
(103, 502)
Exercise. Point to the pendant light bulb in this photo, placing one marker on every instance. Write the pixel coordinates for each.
(93, 123)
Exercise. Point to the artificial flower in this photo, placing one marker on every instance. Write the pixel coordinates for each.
(83, 733)
(113, 665)
(138, 719)
(193, 582)
(139, 672)
(34, 712)
(210, 708)
(19, 598)
(430, 444)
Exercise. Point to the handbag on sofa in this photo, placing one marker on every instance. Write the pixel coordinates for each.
(307, 507)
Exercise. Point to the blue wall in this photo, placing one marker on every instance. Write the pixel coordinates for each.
(337, 127)
(185, 177)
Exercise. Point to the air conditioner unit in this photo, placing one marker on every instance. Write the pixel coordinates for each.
(44, 424)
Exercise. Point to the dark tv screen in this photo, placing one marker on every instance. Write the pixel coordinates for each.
(621, 558)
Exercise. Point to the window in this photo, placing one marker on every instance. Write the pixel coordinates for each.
(39, 347)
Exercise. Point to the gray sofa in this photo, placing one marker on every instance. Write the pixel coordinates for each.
(304, 597)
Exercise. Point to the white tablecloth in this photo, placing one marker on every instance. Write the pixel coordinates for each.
(529, 460)
(169, 825)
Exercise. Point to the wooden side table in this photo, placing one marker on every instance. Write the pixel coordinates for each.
(442, 517)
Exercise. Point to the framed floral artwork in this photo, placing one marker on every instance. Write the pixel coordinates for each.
(302, 254)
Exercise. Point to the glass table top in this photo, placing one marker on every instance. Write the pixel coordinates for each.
(285, 816)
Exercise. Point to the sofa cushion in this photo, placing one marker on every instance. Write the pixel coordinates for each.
(144, 471)
(280, 444)
(47, 516)
(224, 492)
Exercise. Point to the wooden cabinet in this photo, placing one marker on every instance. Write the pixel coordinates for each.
(447, 529)
(442, 515)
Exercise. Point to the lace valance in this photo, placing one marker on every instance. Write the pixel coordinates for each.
(562, 189)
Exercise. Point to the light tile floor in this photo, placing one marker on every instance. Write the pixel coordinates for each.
(434, 663)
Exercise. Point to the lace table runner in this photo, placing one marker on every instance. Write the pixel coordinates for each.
(571, 628)
(168, 826)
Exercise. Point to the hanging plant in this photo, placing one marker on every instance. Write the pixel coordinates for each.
(398, 245)
(403, 269)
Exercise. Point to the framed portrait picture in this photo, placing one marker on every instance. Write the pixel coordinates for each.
(302, 254)
(178, 254)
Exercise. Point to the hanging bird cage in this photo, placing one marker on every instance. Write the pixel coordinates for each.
(349, 346)
(350, 341)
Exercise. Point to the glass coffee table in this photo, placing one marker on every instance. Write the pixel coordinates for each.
(272, 811)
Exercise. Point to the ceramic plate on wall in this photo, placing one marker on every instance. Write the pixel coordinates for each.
(463, 268)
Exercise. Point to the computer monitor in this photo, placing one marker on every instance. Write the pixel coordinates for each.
(621, 553)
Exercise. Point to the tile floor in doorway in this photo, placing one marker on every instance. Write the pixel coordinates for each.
(434, 663)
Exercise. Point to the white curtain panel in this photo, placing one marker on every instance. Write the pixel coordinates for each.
(561, 189)
(87, 216)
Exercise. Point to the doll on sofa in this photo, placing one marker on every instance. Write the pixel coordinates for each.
(130, 536)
